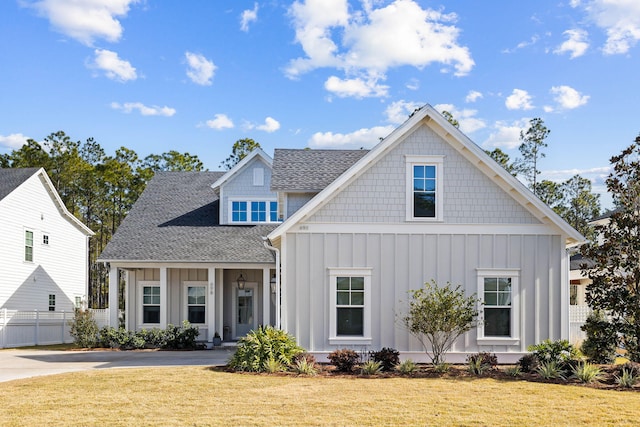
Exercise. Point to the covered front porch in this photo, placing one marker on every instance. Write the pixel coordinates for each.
(227, 299)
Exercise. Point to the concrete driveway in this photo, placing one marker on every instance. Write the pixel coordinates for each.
(16, 364)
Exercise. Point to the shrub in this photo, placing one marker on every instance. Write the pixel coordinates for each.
(83, 329)
(628, 376)
(479, 363)
(304, 366)
(181, 338)
(407, 367)
(514, 371)
(121, 339)
(262, 344)
(587, 373)
(272, 366)
(550, 370)
(442, 368)
(371, 367)
(388, 358)
(344, 360)
(528, 363)
(559, 351)
(602, 339)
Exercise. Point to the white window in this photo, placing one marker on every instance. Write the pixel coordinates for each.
(150, 304)
(499, 320)
(28, 245)
(424, 188)
(52, 302)
(196, 302)
(253, 211)
(350, 305)
(258, 177)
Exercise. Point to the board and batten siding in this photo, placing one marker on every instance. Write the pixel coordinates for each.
(59, 268)
(400, 262)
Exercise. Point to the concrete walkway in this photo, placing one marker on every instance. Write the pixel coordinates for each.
(16, 364)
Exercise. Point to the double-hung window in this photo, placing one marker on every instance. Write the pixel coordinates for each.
(253, 211)
(150, 304)
(350, 297)
(28, 245)
(499, 312)
(196, 302)
(52, 302)
(424, 188)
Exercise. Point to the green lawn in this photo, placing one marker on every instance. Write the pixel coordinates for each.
(196, 396)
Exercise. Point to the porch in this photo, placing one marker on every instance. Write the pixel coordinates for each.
(229, 300)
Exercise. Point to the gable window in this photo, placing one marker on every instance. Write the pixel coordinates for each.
(499, 312)
(253, 211)
(28, 245)
(350, 318)
(258, 177)
(424, 188)
(52, 302)
(196, 302)
(151, 304)
(45, 239)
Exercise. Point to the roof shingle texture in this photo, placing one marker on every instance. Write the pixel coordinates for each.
(176, 219)
(310, 170)
(10, 179)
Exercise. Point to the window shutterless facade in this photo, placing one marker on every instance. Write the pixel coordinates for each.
(499, 320)
(151, 304)
(424, 188)
(52, 302)
(28, 245)
(196, 302)
(253, 211)
(350, 300)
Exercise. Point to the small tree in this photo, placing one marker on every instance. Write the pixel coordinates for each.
(83, 329)
(438, 316)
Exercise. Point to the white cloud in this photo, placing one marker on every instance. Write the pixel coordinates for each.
(85, 20)
(519, 100)
(270, 125)
(154, 110)
(533, 40)
(506, 135)
(568, 98)
(200, 69)
(112, 66)
(368, 42)
(13, 141)
(219, 122)
(576, 43)
(363, 138)
(248, 16)
(398, 112)
(413, 84)
(467, 121)
(473, 96)
(620, 19)
(357, 88)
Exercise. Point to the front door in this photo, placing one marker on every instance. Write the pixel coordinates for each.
(245, 310)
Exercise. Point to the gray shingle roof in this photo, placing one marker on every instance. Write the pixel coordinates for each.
(176, 219)
(310, 170)
(10, 179)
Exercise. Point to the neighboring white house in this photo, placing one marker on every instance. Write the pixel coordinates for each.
(43, 247)
(359, 230)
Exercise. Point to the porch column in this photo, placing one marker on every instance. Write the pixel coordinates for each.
(113, 296)
(127, 319)
(164, 302)
(211, 305)
(266, 296)
(219, 301)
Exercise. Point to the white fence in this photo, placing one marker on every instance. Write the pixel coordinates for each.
(27, 328)
(577, 316)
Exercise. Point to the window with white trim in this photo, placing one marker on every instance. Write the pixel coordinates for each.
(350, 301)
(52, 302)
(151, 304)
(424, 188)
(45, 239)
(498, 291)
(258, 177)
(253, 211)
(28, 245)
(196, 303)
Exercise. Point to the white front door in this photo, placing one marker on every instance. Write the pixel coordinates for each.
(245, 310)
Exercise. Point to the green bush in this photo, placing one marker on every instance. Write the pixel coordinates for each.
(261, 345)
(345, 360)
(528, 363)
(559, 351)
(479, 363)
(587, 373)
(550, 370)
(181, 337)
(83, 329)
(407, 367)
(628, 375)
(172, 338)
(121, 339)
(602, 339)
(388, 358)
(371, 367)
(304, 366)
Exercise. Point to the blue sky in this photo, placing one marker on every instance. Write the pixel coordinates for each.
(198, 75)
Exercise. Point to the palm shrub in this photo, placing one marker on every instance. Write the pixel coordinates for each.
(388, 358)
(561, 352)
(84, 329)
(344, 359)
(261, 345)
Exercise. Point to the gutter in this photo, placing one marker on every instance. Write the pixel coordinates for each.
(267, 244)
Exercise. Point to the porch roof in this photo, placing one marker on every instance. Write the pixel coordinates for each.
(177, 219)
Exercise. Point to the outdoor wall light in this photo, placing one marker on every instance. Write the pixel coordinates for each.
(241, 281)
(272, 282)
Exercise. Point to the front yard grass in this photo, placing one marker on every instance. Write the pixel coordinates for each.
(198, 396)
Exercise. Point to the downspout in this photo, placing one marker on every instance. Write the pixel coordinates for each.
(267, 244)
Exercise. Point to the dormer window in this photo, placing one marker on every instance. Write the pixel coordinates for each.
(253, 211)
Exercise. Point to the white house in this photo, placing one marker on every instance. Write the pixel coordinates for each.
(43, 247)
(326, 244)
